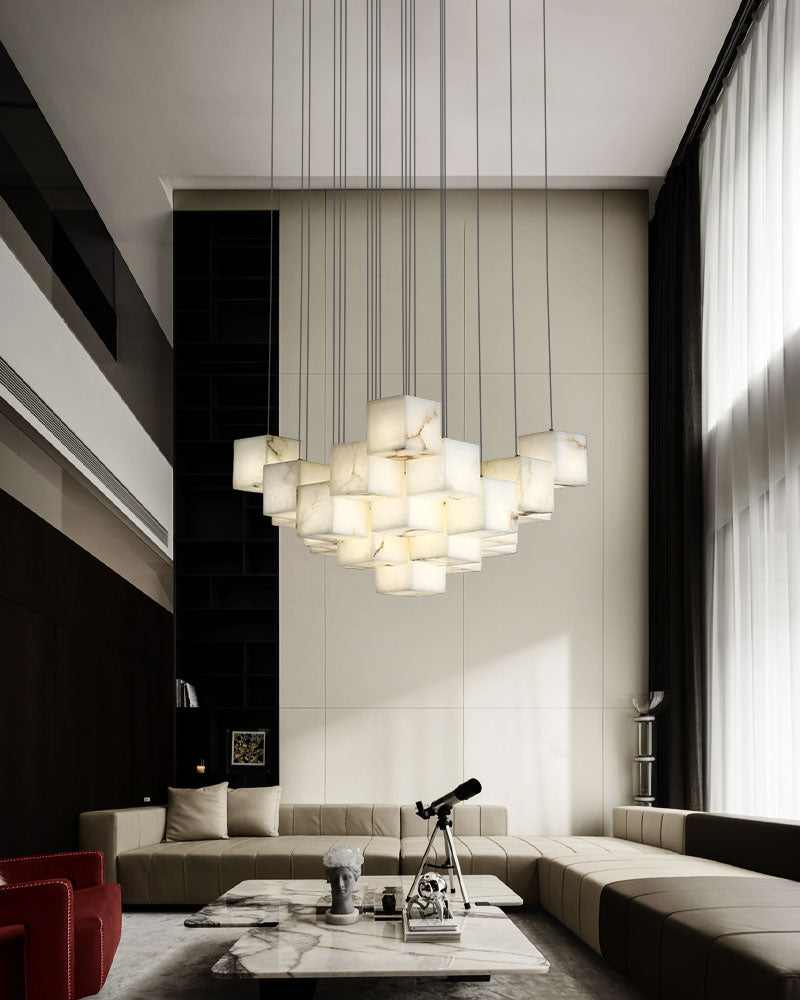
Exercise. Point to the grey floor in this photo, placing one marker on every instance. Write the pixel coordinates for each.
(160, 959)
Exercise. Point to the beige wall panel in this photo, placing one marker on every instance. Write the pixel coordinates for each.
(302, 754)
(625, 281)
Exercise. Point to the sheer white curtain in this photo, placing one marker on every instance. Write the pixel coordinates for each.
(750, 238)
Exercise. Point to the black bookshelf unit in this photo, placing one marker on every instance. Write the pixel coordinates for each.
(226, 551)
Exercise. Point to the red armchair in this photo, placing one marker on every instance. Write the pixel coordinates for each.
(60, 924)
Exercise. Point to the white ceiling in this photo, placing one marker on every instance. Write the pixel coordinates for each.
(156, 95)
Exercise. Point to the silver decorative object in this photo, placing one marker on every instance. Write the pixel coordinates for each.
(645, 756)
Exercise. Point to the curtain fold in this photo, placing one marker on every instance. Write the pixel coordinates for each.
(676, 480)
(750, 238)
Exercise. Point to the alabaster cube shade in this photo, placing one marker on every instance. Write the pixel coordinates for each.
(466, 568)
(454, 473)
(321, 516)
(409, 516)
(319, 547)
(280, 484)
(404, 427)
(354, 473)
(375, 550)
(533, 478)
(489, 548)
(445, 550)
(250, 455)
(568, 453)
(527, 518)
(286, 521)
(415, 579)
(493, 512)
(496, 541)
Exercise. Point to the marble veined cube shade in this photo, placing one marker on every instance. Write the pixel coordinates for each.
(280, 482)
(445, 550)
(250, 455)
(404, 427)
(454, 473)
(375, 550)
(533, 478)
(409, 516)
(415, 579)
(354, 473)
(493, 513)
(321, 516)
(568, 453)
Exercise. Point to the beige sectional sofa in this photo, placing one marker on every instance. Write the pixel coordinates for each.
(684, 904)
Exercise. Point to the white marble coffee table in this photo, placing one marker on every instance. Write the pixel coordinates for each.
(303, 948)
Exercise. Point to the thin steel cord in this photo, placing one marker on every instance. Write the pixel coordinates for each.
(339, 275)
(302, 219)
(380, 199)
(367, 109)
(344, 306)
(414, 174)
(546, 212)
(308, 233)
(271, 216)
(443, 203)
(511, 215)
(478, 233)
(403, 190)
(333, 238)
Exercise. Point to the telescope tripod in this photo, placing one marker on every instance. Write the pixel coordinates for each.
(451, 864)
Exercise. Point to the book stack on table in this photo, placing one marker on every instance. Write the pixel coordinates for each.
(429, 927)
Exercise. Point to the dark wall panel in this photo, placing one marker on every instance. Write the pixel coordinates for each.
(86, 687)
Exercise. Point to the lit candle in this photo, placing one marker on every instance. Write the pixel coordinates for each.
(201, 767)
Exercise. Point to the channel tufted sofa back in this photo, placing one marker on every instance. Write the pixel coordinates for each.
(330, 820)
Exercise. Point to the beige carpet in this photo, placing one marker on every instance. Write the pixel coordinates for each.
(160, 959)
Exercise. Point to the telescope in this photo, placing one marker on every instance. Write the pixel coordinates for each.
(445, 803)
(441, 809)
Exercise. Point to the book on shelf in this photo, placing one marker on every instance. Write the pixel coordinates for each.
(185, 694)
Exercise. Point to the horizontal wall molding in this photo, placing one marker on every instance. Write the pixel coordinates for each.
(83, 457)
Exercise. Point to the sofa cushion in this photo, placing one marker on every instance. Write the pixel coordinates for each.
(98, 927)
(197, 813)
(664, 933)
(253, 812)
(768, 846)
(340, 820)
(571, 886)
(469, 820)
(198, 872)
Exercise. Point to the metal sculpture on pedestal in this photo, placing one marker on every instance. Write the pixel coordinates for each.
(645, 756)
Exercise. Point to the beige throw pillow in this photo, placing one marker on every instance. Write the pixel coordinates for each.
(253, 812)
(197, 813)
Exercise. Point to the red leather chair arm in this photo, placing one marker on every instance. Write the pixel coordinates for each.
(82, 868)
(46, 911)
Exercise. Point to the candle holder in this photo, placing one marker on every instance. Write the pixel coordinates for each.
(201, 766)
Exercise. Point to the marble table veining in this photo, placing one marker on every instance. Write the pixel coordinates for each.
(260, 902)
(303, 947)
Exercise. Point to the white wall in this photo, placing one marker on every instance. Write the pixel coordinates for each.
(516, 675)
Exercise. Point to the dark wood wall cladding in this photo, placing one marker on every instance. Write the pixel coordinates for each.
(226, 551)
(86, 687)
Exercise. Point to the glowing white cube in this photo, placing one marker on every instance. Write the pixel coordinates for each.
(568, 453)
(404, 427)
(445, 550)
(375, 550)
(319, 547)
(493, 512)
(321, 516)
(280, 484)
(489, 548)
(409, 516)
(250, 455)
(454, 473)
(526, 518)
(286, 521)
(533, 478)
(415, 579)
(354, 473)
(466, 568)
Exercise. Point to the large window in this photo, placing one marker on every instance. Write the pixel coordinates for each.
(750, 233)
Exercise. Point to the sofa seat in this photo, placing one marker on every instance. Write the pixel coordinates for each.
(199, 871)
(98, 929)
(571, 886)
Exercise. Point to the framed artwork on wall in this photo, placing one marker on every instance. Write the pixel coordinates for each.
(248, 748)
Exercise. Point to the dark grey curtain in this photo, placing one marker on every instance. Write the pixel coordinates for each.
(677, 644)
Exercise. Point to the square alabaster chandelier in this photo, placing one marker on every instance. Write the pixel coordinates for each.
(407, 502)
(410, 503)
